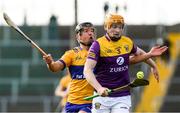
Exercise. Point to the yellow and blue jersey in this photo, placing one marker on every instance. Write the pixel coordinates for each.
(64, 82)
(79, 88)
(112, 62)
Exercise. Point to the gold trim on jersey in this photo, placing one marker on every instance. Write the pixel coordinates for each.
(110, 48)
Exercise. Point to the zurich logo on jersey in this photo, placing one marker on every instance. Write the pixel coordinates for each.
(120, 60)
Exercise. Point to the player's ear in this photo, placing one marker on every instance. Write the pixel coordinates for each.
(76, 36)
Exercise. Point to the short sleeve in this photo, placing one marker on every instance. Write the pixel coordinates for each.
(94, 51)
(134, 49)
(67, 58)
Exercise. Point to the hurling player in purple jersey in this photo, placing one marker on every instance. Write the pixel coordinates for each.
(107, 66)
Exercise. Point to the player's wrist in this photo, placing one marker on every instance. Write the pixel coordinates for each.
(149, 55)
(49, 62)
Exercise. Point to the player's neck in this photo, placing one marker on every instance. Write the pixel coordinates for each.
(84, 47)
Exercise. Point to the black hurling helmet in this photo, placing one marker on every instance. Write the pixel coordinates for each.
(81, 26)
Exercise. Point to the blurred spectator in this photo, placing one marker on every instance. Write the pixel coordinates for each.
(116, 8)
(125, 7)
(53, 27)
(106, 8)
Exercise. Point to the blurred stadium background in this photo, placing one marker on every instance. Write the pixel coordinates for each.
(26, 85)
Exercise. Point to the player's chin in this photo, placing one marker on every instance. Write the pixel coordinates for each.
(117, 35)
(115, 38)
(91, 41)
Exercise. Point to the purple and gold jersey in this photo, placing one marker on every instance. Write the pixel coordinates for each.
(112, 62)
(79, 88)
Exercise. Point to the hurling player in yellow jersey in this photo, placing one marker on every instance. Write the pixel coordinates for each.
(75, 59)
(107, 66)
(62, 90)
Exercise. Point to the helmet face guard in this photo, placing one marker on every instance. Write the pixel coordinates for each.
(81, 26)
(113, 18)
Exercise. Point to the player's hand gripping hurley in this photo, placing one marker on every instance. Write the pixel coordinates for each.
(11, 24)
(134, 83)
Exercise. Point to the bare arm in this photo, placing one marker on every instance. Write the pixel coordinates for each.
(139, 58)
(54, 66)
(88, 72)
(143, 56)
(90, 77)
(151, 63)
(60, 92)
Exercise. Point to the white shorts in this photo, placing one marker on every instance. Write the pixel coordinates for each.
(111, 104)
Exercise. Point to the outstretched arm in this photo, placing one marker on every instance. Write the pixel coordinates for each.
(54, 66)
(154, 52)
(149, 61)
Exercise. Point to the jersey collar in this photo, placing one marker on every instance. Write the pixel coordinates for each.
(107, 37)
